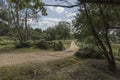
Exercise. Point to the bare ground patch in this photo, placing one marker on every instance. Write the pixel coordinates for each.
(13, 58)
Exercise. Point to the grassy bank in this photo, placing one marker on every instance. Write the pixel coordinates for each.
(10, 47)
(69, 68)
(66, 43)
(115, 47)
(6, 42)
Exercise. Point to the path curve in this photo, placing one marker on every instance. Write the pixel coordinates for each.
(7, 59)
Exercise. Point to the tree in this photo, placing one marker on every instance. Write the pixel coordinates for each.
(63, 30)
(36, 34)
(98, 20)
(3, 22)
(4, 29)
(104, 20)
(19, 14)
(59, 31)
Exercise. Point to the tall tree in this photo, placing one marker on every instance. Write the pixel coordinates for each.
(99, 19)
(59, 31)
(20, 11)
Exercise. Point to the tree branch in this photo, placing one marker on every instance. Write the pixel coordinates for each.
(71, 6)
(3, 21)
(111, 2)
(114, 28)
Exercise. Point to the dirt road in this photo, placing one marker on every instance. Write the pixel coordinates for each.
(14, 59)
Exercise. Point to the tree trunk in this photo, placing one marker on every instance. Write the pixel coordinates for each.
(108, 54)
(26, 25)
(106, 25)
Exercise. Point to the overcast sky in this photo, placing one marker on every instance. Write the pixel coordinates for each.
(55, 15)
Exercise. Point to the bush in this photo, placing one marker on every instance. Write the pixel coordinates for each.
(59, 46)
(89, 51)
(23, 45)
(41, 45)
(90, 40)
(44, 45)
(50, 45)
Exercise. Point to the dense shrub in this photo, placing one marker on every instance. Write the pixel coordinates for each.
(89, 51)
(41, 45)
(3, 43)
(26, 44)
(50, 45)
(90, 40)
(45, 45)
(59, 46)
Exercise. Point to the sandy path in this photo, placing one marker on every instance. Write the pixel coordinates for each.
(13, 58)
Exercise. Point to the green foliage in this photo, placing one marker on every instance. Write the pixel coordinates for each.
(26, 44)
(89, 51)
(5, 40)
(97, 20)
(36, 34)
(60, 31)
(19, 14)
(22, 72)
(70, 68)
(45, 45)
(3, 15)
(116, 49)
(66, 43)
(59, 46)
(35, 6)
(36, 71)
(4, 29)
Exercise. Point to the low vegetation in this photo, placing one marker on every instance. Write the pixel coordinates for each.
(57, 46)
(95, 25)
(70, 68)
(32, 47)
(116, 49)
(89, 51)
(82, 45)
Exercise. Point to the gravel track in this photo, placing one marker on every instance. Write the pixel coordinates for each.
(13, 58)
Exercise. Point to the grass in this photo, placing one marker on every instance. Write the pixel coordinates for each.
(6, 42)
(33, 71)
(115, 47)
(6, 46)
(66, 43)
(9, 47)
(9, 50)
(80, 44)
(69, 68)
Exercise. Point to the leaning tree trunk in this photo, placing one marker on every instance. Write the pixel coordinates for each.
(108, 54)
(106, 25)
(26, 25)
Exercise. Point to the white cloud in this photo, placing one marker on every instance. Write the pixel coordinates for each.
(56, 20)
(59, 9)
(44, 23)
(69, 20)
(41, 24)
(52, 19)
(70, 14)
(66, 12)
(51, 8)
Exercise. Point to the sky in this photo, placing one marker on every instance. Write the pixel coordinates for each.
(55, 15)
